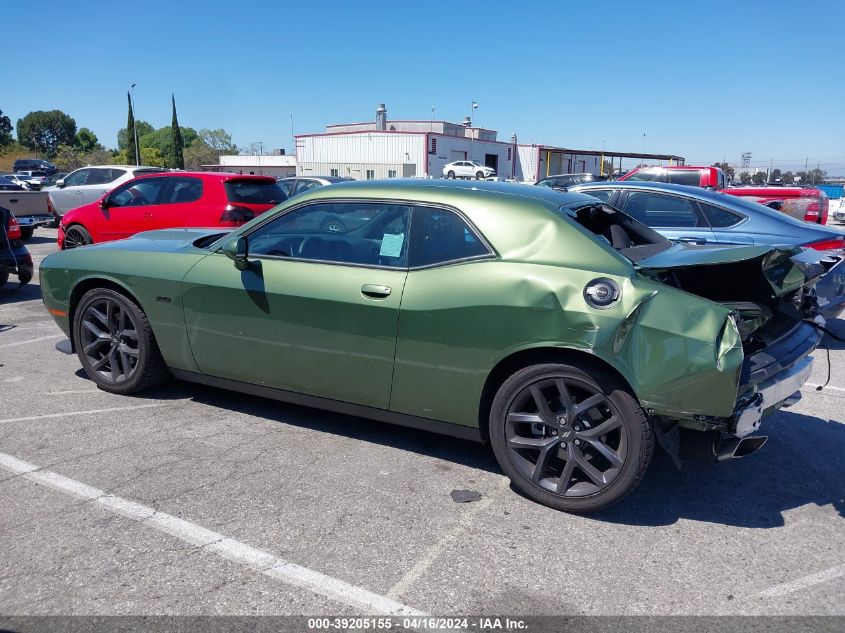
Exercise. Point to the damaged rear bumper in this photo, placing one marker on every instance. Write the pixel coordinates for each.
(773, 377)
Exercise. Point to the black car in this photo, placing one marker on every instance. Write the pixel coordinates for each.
(14, 258)
(7, 184)
(34, 164)
(564, 181)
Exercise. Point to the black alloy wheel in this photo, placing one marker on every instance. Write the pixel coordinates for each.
(115, 343)
(479, 175)
(574, 441)
(75, 236)
(451, 174)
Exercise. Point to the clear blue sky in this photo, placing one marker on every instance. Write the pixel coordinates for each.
(703, 80)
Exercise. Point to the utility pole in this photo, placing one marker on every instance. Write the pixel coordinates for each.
(134, 126)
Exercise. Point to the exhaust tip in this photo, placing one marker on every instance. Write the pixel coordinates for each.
(750, 445)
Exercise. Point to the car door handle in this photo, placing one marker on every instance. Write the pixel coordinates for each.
(693, 240)
(375, 291)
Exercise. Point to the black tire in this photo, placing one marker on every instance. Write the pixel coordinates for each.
(27, 232)
(4, 277)
(76, 235)
(104, 324)
(563, 438)
(479, 175)
(450, 174)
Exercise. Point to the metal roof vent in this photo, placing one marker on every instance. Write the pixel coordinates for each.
(381, 117)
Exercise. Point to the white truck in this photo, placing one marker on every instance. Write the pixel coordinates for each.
(31, 208)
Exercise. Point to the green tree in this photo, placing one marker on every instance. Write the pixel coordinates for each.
(152, 157)
(199, 154)
(177, 158)
(86, 140)
(162, 139)
(45, 131)
(759, 178)
(744, 177)
(788, 178)
(5, 131)
(141, 127)
(131, 149)
(776, 174)
(219, 140)
(68, 158)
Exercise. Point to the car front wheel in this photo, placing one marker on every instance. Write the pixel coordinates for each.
(451, 174)
(479, 175)
(115, 343)
(571, 439)
(76, 235)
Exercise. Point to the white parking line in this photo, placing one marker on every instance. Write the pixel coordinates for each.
(253, 558)
(805, 582)
(69, 391)
(31, 340)
(89, 412)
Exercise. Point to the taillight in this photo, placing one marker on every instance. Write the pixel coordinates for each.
(50, 208)
(236, 214)
(14, 229)
(828, 245)
(811, 213)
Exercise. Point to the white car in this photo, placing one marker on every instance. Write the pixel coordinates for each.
(467, 169)
(89, 184)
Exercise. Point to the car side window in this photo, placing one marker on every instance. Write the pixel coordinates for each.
(690, 177)
(658, 210)
(718, 217)
(138, 193)
(287, 186)
(182, 189)
(602, 194)
(77, 178)
(99, 177)
(439, 236)
(116, 173)
(362, 233)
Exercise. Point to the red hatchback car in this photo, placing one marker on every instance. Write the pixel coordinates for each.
(167, 200)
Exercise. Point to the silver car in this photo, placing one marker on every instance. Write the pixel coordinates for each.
(89, 184)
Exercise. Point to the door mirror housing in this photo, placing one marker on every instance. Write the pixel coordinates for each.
(60, 183)
(104, 203)
(237, 249)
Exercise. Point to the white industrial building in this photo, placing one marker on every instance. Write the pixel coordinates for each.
(277, 165)
(411, 148)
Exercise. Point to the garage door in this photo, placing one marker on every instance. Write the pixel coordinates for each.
(457, 155)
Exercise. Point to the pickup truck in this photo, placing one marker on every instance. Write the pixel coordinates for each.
(31, 208)
(803, 203)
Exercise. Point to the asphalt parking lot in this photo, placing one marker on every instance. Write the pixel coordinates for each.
(190, 500)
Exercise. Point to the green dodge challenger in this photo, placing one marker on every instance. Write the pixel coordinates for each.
(566, 334)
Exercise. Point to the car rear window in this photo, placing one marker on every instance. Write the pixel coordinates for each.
(254, 191)
(689, 177)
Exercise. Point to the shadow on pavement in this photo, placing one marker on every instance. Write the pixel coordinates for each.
(802, 463)
(11, 293)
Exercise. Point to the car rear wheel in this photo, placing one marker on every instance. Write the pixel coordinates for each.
(451, 174)
(115, 343)
(27, 232)
(571, 439)
(76, 235)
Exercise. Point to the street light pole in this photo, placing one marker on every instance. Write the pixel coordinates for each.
(134, 126)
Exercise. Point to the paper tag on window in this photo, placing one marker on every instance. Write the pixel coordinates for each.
(391, 245)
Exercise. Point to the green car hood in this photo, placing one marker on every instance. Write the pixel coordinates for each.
(785, 268)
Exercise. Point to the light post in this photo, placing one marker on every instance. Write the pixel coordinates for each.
(134, 126)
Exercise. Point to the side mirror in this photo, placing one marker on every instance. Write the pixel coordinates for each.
(60, 183)
(237, 249)
(104, 203)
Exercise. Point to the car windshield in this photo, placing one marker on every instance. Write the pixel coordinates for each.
(254, 191)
